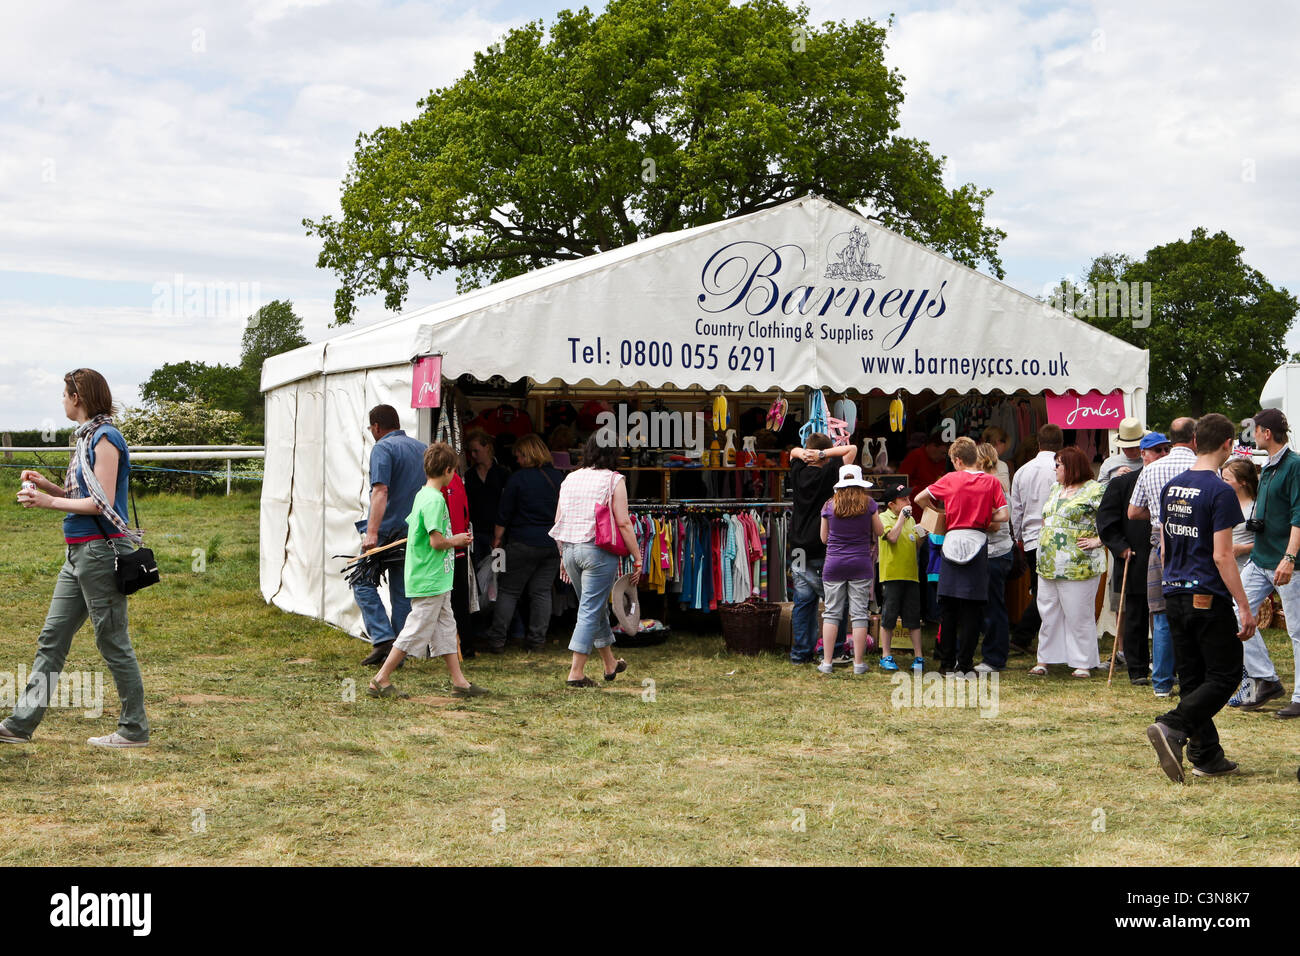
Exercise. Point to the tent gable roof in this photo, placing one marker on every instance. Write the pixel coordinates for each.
(752, 283)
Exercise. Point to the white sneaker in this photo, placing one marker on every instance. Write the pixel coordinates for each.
(860, 668)
(826, 668)
(982, 668)
(116, 740)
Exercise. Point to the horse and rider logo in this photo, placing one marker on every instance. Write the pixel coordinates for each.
(847, 257)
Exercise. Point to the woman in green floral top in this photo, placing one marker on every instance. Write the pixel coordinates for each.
(1070, 558)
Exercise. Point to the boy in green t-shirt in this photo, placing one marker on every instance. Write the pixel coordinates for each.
(430, 554)
(899, 576)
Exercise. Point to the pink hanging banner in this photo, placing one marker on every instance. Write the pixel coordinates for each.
(1093, 410)
(426, 382)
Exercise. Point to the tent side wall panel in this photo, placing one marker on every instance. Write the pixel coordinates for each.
(277, 485)
(299, 587)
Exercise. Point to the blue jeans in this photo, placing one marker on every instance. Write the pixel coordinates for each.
(997, 626)
(1259, 585)
(379, 628)
(1162, 653)
(593, 572)
(805, 628)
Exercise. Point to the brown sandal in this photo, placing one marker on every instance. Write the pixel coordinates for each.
(619, 667)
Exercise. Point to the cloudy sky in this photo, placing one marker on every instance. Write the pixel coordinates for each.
(155, 143)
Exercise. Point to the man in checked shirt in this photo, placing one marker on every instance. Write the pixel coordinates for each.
(1145, 506)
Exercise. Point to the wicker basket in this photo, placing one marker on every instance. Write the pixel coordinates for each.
(1271, 614)
(750, 628)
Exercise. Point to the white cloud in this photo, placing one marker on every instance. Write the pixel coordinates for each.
(1104, 128)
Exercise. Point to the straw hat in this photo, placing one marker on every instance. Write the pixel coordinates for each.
(851, 475)
(1130, 433)
(626, 608)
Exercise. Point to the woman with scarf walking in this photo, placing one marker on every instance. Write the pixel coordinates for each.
(94, 499)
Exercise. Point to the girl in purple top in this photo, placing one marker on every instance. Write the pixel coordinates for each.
(850, 526)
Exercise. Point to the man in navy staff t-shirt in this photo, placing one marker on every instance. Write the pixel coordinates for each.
(1200, 584)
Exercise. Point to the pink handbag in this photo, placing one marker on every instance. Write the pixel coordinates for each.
(608, 537)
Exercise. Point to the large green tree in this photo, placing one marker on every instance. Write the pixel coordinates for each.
(1214, 326)
(221, 386)
(656, 115)
(272, 329)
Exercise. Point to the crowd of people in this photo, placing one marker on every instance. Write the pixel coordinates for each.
(1200, 535)
(542, 524)
(867, 561)
(1200, 538)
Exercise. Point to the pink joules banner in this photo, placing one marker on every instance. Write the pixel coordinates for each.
(1093, 410)
(426, 382)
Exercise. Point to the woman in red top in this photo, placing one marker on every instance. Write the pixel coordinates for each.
(969, 499)
(458, 514)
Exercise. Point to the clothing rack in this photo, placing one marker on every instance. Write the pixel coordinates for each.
(705, 552)
(729, 503)
(706, 506)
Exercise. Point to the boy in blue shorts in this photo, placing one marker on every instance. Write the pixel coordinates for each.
(430, 552)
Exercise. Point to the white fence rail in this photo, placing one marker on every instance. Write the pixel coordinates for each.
(226, 453)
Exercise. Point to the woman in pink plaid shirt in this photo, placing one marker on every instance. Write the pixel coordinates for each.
(590, 569)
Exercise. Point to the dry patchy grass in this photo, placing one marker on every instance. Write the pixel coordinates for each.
(251, 728)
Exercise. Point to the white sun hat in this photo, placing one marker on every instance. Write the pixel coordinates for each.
(851, 475)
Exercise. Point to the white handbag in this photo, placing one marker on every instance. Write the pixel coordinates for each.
(961, 546)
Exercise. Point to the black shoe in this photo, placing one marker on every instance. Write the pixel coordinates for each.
(1139, 681)
(378, 655)
(1017, 649)
(1220, 768)
(1169, 749)
(1266, 691)
(494, 649)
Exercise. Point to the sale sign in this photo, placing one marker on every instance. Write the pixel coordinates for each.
(426, 382)
(1093, 410)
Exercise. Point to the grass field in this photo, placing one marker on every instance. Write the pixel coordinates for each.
(257, 758)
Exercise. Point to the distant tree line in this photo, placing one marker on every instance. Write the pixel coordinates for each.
(194, 403)
(273, 329)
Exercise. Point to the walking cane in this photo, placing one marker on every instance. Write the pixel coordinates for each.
(1119, 619)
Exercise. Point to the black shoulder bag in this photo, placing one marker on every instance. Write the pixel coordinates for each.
(136, 569)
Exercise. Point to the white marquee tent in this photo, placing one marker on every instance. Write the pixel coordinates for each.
(803, 294)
